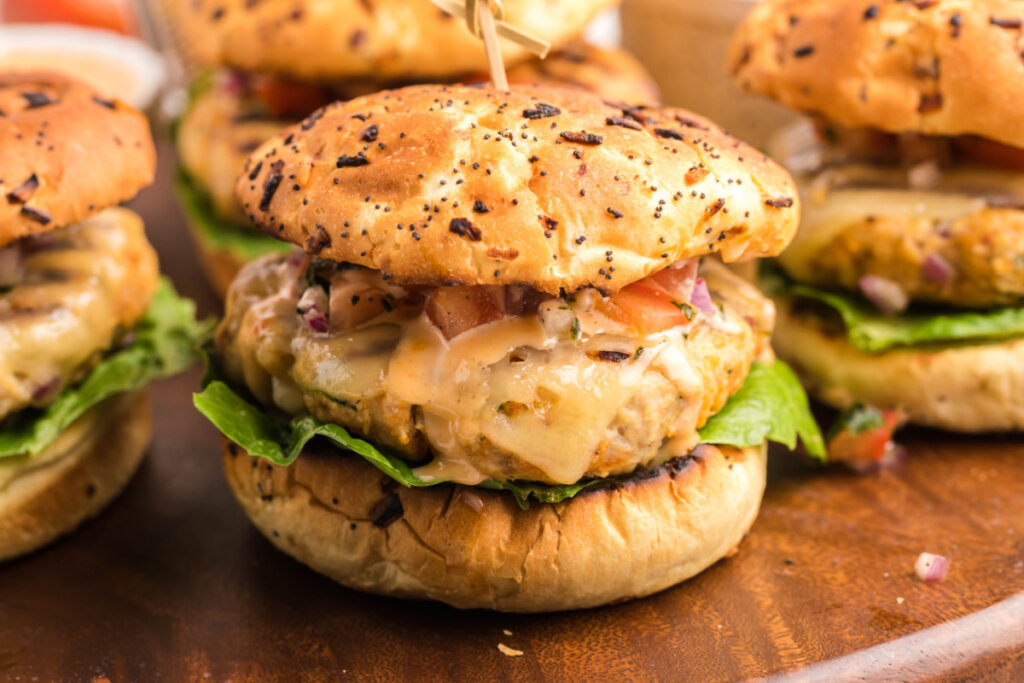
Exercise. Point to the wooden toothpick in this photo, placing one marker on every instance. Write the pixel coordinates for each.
(490, 36)
(485, 19)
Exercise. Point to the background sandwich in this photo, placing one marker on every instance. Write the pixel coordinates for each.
(85, 321)
(274, 63)
(547, 401)
(905, 285)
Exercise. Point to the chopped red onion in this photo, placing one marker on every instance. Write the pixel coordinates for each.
(316, 321)
(887, 296)
(701, 298)
(296, 256)
(931, 567)
(235, 82)
(924, 176)
(311, 307)
(45, 389)
(937, 269)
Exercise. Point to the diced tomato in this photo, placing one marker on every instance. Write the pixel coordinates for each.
(648, 309)
(989, 153)
(677, 280)
(288, 99)
(862, 435)
(458, 309)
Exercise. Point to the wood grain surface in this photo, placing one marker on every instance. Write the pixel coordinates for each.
(173, 584)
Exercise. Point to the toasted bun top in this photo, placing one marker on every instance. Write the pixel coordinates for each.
(65, 153)
(944, 67)
(551, 188)
(386, 39)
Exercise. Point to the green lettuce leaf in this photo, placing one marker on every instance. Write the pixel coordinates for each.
(872, 332)
(770, 405)
(247, 243)
(166, 342)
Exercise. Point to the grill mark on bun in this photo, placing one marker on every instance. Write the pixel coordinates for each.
(387, 511)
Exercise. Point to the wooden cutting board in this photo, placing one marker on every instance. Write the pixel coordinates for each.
(173, 584)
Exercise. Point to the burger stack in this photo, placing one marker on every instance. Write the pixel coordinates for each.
(85, 321)
(532, 392)
(274, 62)
(905, 287)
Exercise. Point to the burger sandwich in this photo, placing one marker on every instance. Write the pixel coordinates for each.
(85, 321)
(495, 371)
(273, 63)
(904, 289)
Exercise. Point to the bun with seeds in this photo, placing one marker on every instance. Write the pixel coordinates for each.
(388, 40)
(233, 114)
(949, 67)
(84, 319)
(903, 289)
(532, 394)
(462, 185)
(65, 153)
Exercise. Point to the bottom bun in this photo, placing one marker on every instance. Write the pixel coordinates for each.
(50, 494)
(473, 548)
(964, 388)
(220, 266)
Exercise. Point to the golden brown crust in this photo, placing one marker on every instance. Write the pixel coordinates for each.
(966, 388)
(224, 125)
(540, 186)
(386, 39)
(65, 153)
(474, 548)
(41, 504)
(948, 67)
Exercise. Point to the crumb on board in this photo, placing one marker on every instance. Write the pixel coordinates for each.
(508, 651)
(506, 632)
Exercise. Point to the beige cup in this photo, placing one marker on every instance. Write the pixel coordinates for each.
(684, 43)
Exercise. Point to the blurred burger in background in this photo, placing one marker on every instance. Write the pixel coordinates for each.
(266, 65)
(86, 320)
(904, 288)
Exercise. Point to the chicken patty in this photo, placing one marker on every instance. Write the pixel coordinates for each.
(497, 382)
(972, 261)
(940, 218)
(67, 297)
